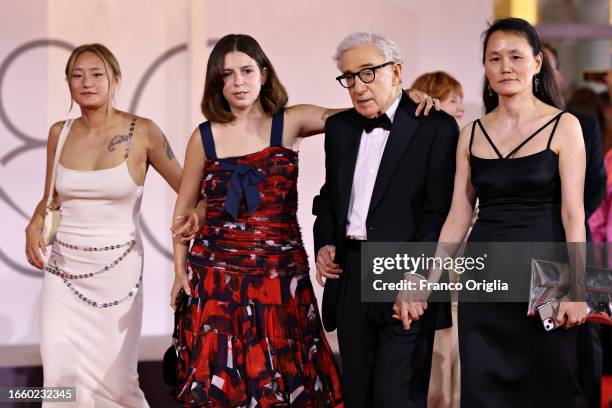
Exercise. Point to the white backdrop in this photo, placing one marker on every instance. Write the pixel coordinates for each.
(162, 48)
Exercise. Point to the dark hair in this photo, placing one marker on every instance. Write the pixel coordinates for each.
(547, 90)
(587, 101)
(554, 52)
(272, 95)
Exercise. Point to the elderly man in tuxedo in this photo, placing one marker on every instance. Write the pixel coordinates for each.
(389, 178)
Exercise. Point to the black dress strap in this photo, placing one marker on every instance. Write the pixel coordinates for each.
(484, 132)
(544, 126)
(558, 117)
(276, 136)
(208, 141)
(472, 135)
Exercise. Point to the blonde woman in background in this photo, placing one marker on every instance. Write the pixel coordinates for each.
(91, 305)
(445, 381)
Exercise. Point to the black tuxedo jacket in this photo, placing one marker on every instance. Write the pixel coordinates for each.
(411, 196)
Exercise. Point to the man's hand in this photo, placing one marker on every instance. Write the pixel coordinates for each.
(424, 101)
(326, 266)
(408, 312)
(410, 304)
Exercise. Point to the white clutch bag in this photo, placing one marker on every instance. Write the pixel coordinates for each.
(53, 214)
(51, 223)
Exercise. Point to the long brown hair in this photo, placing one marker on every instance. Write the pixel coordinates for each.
(272, 95)
(110, 63)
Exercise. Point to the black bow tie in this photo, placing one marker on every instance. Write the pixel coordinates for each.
(369, 124)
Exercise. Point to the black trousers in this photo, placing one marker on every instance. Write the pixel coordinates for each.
(383, 366)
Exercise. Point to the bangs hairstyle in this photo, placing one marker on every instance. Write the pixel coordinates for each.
(437, 84)
(110, 63)
(548, 90)
(272, 95)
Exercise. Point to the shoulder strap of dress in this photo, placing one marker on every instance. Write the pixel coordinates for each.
(129, 140)
(58, 151)
(558, 118)
(484, 132)
(534, 134)
(472, 135)
(276, 136)
(208, 141)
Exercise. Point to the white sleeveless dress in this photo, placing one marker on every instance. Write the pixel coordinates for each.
(87, 340)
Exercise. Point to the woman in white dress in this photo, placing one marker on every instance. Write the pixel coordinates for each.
(91, 306)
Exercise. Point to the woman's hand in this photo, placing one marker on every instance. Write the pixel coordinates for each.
(424, 101)
(181, 281)
(186, 226)
(34, 246)
(571, 314)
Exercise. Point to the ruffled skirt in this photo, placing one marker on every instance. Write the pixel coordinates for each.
(253, 341)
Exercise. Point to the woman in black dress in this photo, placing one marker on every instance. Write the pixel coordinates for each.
(525, 162)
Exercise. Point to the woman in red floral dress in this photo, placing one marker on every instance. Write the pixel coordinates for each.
(249, 331)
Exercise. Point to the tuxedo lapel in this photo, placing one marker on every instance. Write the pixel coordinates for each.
(402, 131)
(349, 147)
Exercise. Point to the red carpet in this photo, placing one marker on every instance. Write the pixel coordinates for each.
(606, 391)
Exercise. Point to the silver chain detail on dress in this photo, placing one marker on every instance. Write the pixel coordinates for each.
(94, 249)
(129, 141)
(56, 270)
(93, 303)
(66, 277)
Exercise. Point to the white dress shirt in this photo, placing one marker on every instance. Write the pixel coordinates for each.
(371, 148)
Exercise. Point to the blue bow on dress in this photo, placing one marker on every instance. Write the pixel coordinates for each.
(244, 181)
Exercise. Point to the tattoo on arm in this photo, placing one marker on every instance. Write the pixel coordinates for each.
(117, 140)
(167, 148)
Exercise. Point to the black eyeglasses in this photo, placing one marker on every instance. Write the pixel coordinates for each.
(366, 75)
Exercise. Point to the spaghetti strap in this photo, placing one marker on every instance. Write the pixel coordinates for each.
(544, 126)
(558, 117)
(208, 141)
(472, 135)
(129, 140)
(489, 139)
(276, 136)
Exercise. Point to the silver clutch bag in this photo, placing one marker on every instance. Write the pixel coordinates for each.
(549, 282)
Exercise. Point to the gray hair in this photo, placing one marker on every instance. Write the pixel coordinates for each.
(386, 47)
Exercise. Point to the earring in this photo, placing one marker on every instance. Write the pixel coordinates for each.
(490, 90)
(536, 82)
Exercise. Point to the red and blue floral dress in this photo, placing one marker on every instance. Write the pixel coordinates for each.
(250, 335)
